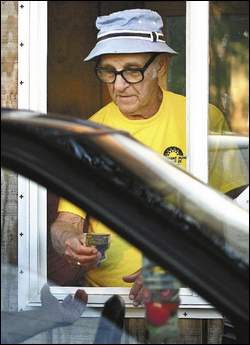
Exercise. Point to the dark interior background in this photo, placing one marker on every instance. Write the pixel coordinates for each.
(72, 85)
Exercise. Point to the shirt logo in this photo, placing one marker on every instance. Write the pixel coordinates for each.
(175, 154)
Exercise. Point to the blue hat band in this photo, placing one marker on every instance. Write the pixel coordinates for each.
(152, 36)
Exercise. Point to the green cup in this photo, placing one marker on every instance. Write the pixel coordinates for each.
(100, 241)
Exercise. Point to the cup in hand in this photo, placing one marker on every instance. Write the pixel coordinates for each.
(100, 241)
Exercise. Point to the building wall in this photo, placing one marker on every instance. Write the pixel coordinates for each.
(9, 179)
(9, 53)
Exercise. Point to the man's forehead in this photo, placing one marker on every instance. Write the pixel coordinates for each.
(124, 59)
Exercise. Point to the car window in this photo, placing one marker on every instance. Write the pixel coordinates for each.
(165, 297)
(150, 202)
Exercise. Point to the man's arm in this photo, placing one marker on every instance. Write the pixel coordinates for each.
(19, 326)
(67, 239)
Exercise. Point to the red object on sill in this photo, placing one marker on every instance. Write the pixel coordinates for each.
(158, 313)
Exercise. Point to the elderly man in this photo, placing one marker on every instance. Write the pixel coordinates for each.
(131, 58)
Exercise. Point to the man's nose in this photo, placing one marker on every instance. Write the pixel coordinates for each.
(120, 83)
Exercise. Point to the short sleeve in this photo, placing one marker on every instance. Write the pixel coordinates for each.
(66, 206)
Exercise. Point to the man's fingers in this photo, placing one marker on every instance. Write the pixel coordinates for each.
(132, 277)
(81, 295)
(137, 286)
(88, 259)
(75, 245)
(82, 259)
(67, 299)
(136, 292)
(47, 298)
(82, 250)
(138, 298)
(76, 252)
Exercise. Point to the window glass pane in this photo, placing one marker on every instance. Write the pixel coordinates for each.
(229, 88)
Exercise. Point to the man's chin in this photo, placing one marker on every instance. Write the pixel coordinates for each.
(126, 110)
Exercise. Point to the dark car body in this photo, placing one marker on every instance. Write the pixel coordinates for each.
(166, 213)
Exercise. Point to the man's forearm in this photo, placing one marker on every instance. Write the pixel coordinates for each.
(18, 326)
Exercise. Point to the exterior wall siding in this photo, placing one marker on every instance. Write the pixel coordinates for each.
(9, 50)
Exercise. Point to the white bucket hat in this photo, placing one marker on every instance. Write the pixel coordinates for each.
(130, 31)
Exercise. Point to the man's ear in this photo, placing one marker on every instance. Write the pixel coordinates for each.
(163, 62)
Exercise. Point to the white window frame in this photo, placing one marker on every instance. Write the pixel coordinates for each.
(197, 87)
(32, 198)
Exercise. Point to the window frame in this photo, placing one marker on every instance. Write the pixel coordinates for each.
(32, 198)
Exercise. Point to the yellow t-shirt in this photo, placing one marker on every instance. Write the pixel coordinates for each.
(165, 133)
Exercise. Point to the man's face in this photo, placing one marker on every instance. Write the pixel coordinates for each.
(133, 100)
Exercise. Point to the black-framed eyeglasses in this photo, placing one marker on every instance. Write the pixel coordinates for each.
(130, 75)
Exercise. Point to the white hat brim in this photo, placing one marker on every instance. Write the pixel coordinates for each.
(128, 46)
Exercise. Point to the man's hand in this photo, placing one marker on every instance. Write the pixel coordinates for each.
(66, 312)
(67, 239)
(136, 292)
(19, 326)
(78, 254)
